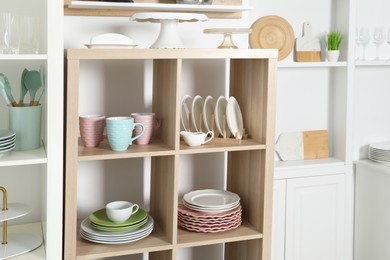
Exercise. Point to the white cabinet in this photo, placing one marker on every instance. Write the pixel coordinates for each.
(311, 218)
(35, 177)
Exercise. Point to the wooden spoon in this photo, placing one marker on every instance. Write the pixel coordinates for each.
(32, 81)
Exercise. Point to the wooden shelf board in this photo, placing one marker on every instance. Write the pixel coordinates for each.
(142, 54)
(244, 232)
(156, 241)
(15, 158)
(158, 7)
(157, 148)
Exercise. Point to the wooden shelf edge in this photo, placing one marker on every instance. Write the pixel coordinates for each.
(96, 8)
(191, 239)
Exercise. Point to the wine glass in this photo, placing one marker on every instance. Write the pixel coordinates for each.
(388, 37)
(364, 38)
(378, 40)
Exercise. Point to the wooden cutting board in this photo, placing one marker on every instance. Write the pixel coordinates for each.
(307, 47)
(302, 145)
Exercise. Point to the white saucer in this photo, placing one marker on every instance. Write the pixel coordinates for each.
(196, 112)
(208, 112)
(220, 113)
(186, 104)
(234, 118)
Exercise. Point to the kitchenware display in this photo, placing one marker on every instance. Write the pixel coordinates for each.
(26, 123)
(88, 232)
(169, 36)
(91, 129)
(196, 113)
(196, 138)
(151, 124)
(185, 116)
(120, 211)
(208, 113)
(210, 211)
(14, 244)
(99, 228)
(227, 33)
(234, 118)
(302, 145)
(111, 40)
(220, 117)
(272, 32)
(379, 152)
(119, 132)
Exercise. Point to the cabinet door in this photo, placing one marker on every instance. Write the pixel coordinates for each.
(315, 218)
(278, 219)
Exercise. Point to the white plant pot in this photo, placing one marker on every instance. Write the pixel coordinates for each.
(332, 55)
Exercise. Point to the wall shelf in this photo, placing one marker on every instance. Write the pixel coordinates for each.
(15, 158)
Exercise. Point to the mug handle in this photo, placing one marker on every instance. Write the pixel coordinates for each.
(136, 208)
(139, 135)
(211, 137)
(158, 122)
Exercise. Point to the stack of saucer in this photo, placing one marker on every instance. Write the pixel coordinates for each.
(379, 152)
(7, 141)
(210, 211)
(99, 229)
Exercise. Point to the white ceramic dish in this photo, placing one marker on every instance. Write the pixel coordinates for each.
(111, 38)
(196, 113)
(7, 142)
(208, 113)
(110, 46)
(6, 134)
(234, 118)
(220, 116)
(210, 198)
(8, 147)
(186, 104)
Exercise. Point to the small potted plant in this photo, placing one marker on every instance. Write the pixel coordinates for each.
(333, 45)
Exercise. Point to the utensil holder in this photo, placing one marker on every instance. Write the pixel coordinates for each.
(26, 122)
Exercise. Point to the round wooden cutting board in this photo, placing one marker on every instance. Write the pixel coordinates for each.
(272, 32)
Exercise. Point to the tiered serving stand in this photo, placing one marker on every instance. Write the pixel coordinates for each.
(17, 243)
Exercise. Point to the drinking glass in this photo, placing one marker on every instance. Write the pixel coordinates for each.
(378, 40)
(388, 38)
(29, 34)
(9, 33)
(364, 37)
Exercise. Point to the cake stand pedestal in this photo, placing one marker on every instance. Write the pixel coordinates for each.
(169, 37)
(227, 42)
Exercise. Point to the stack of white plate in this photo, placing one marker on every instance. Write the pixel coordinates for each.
(7, 141)
(98, 228)
(379, 152)
(198, 114)
(210, 211)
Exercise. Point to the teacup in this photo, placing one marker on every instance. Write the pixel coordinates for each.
(196, 138)
(120, 211)
(150, 122)
(120, 131)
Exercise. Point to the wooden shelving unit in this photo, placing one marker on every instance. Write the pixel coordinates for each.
(249, 169)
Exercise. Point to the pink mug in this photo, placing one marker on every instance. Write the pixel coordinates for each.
(91, 129)
(150, 122)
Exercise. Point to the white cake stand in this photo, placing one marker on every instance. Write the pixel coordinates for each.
(169, 37)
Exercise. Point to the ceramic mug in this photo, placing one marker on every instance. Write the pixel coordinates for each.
(91, 129)
(150, 122)
(196, 138)
(120, 211)
(120, 131)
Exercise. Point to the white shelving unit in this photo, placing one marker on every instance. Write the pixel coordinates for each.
(35, 177)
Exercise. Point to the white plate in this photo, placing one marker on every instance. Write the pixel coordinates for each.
(208, 113)
(211, 198)
(234, 118)
(196, 113)
(212, 209)
(111, 38)
(114, 241)
(7, 148)
(110, 46)
(220, 113)
(5, 134)
(384, 146)
(186, 104)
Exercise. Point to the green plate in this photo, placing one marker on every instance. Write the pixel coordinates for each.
(100, 218)
(120, 229)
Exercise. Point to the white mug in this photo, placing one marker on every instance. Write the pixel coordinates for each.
(120, 211)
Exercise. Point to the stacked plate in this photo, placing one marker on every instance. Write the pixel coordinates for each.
(99, 229)
(206, 115)
(379, 152)
(210, 211)
(7, 141)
